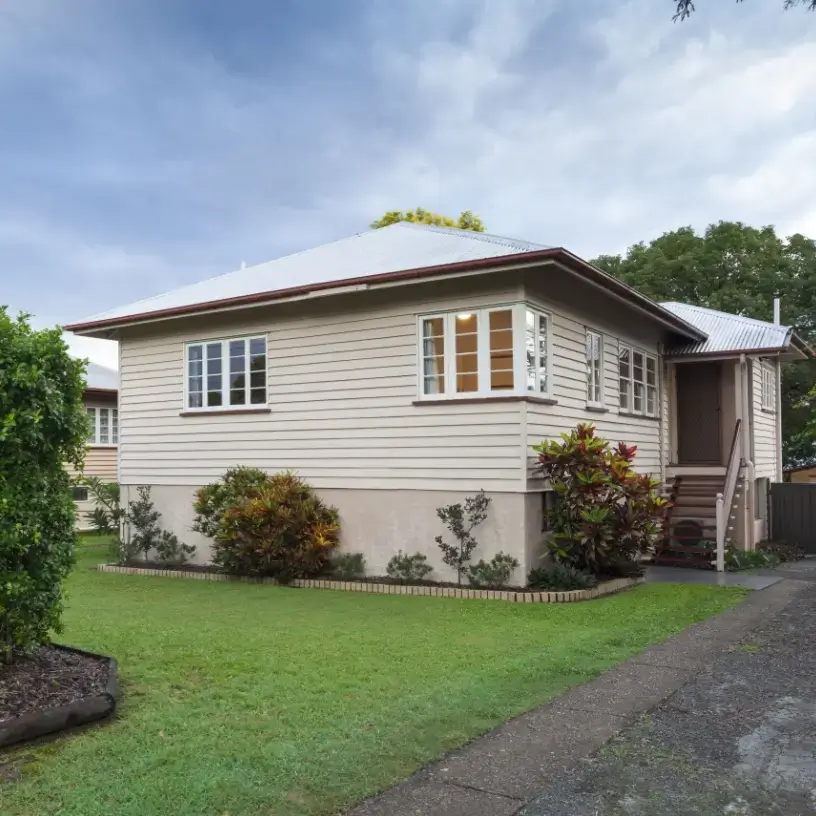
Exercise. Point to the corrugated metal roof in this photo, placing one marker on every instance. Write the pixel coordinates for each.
(98, 376)
(728, 332)
(395, 248)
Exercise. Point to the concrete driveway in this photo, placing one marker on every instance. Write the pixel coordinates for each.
(719, 720)
(740, 739)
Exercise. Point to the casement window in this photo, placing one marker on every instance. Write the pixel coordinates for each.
(79, 493)
(104, 426)
(224, 374)
(594, 368)
(768, 388)
(637, 382)
(483, 352)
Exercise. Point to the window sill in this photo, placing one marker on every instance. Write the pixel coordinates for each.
(102, 446)
(225, 411)
(472, 400)
(596, 409)
(639, 416)
(767, 410)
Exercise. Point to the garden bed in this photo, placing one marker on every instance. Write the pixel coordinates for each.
(425, 588)
(54, 689)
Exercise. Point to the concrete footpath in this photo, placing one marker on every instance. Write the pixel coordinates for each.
(720, 719)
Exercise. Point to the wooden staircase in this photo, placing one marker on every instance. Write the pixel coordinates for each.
(691, 525)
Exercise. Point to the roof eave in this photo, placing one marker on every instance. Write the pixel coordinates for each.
(559, 254)
(101, 391)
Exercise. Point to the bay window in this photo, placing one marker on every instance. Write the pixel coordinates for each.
(482, 352)
(638, 382)
(104, 426)
(225, 374)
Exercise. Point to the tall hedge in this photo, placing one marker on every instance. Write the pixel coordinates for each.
(43, 426)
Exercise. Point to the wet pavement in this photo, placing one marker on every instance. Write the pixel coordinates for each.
(739, 740)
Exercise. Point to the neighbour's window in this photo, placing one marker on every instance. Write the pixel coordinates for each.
(223, 374)
(768, 388)
(638, 382)
(79, 494)
(479, 352)
(594, 363)
(104, 426)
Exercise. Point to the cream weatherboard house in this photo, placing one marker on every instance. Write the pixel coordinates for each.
(101, 458)
(405, 368)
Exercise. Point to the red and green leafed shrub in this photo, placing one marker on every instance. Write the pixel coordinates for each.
(281, 529)
(607, 515)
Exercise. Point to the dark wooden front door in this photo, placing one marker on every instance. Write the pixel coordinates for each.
(699, 436)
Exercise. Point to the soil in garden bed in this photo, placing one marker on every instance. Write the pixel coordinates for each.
(47, 678)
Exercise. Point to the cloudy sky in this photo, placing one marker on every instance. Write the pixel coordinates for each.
(146, 144)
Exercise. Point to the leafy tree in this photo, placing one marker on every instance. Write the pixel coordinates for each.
(686, 7)
(466, 221)
(736, 268)
(43, 425)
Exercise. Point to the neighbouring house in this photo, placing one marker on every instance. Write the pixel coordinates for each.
(101, 400)
(801, 475)
(405, 368)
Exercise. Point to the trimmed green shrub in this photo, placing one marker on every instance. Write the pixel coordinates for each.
(281, 530)
(560, 578)
(607, 512)
(494, 573)
(461, 521)
(213, 500)
(408, 568)
(348, 566)
(43, 427)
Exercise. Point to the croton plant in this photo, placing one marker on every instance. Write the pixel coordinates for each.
(606, 515)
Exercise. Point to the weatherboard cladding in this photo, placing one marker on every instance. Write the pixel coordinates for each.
(727, 332)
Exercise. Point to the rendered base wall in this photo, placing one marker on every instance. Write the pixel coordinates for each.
(378, 523)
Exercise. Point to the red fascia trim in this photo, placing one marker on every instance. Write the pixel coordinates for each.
(277, 294)
(572, 262)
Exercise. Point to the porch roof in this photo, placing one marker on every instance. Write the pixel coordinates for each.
(729, 334)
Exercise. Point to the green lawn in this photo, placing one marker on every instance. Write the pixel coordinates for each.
(246, 699)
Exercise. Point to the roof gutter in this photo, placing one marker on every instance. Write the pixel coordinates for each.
(557, 254)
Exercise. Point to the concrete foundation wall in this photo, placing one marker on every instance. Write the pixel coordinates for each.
(378, 523)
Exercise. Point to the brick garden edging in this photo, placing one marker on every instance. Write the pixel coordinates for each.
(606, 588)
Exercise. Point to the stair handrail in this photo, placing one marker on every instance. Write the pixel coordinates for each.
(726, 498)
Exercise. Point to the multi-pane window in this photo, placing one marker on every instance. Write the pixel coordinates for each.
(482, 352)
(625, 378)
(638, 382)
(466, 362)
(104, 426)
(594, 364)
(79, 493)
(535, 340)
(433, 355)
(768, 388)
(226, 373)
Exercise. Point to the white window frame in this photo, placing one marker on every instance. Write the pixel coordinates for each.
(225, 375)
(645, 382)
(112, 414)
(519, 329)
(768, 388)
(590, 401)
